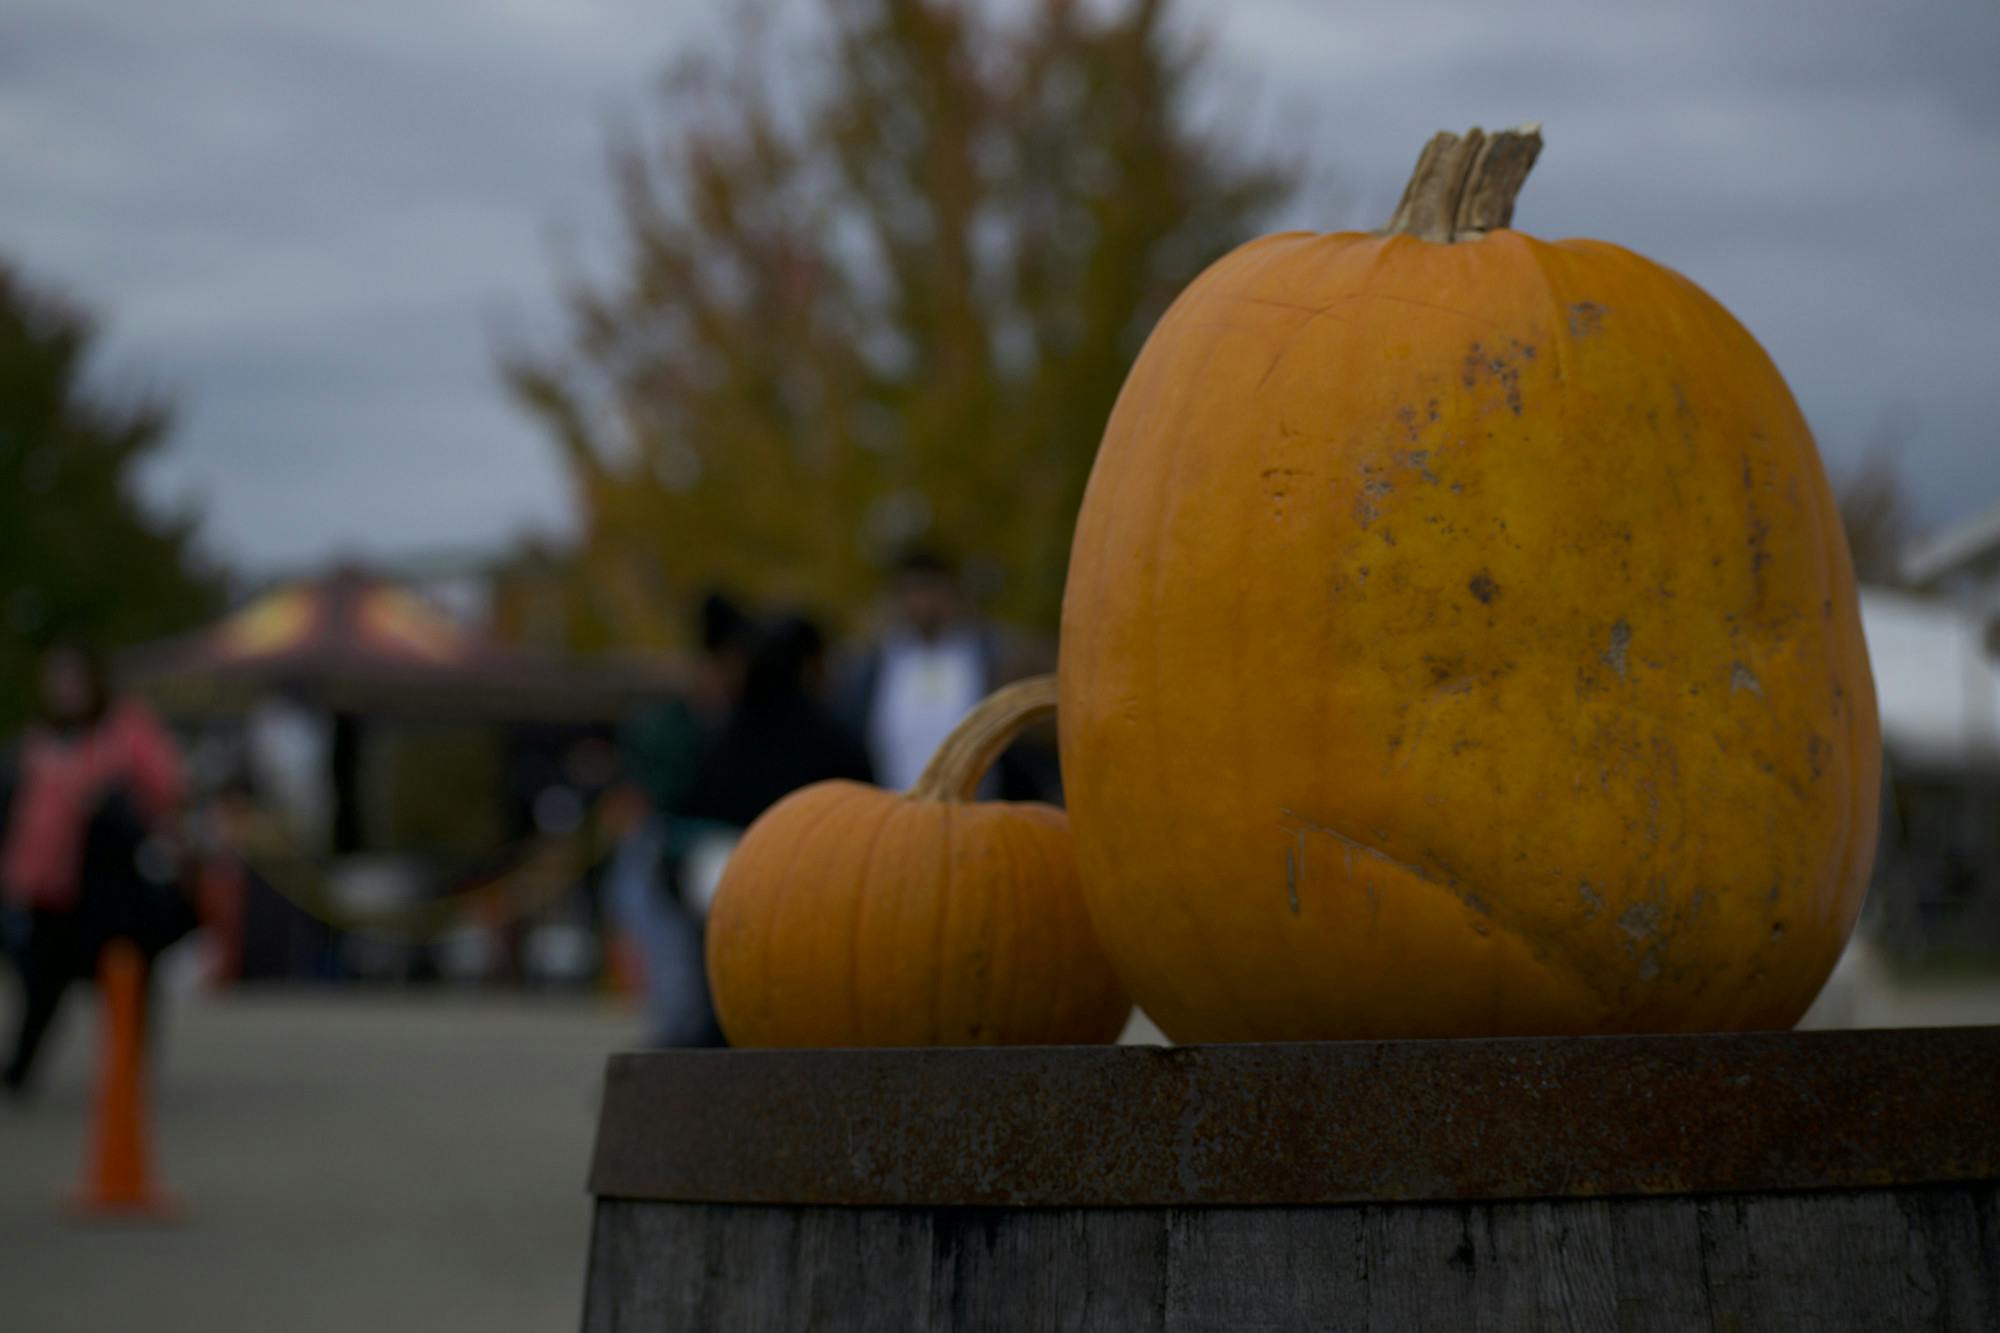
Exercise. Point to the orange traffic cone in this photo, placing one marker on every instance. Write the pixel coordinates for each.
(118, 1179)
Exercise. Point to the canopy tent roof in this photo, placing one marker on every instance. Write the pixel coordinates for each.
(351, 641)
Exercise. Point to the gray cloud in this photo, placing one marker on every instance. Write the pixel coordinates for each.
(304, 219)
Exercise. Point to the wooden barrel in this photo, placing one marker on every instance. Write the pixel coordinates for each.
(1826, 1180)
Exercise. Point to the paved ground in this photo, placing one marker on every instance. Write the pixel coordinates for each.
(385, 1162)
(349, 1161)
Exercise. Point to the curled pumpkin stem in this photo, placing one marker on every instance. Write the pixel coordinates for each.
(955, 771)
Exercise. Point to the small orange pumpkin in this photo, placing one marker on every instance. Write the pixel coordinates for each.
(1460, 639)
(853, 916)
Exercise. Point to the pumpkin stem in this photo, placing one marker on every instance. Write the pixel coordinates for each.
(955, 771)
(1465, 187)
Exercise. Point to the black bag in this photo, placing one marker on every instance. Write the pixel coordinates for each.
(130, 882)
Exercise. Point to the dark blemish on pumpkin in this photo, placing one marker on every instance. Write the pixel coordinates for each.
(1457, 488)
(1816, 748)
(1477, 904)
(1504, 373)
(1743, 678)
(1483, 587)
(1527, 350)
(1649, 966)
(1419, 459)
(1388, 536)
(1431, 409)
(1277, 486)
(1443, 669)
(1759, 530)
(1640, 922)
(1826, 609)
(1777, 931)
(1621, 636)
(1585, 318)
(1292, 875)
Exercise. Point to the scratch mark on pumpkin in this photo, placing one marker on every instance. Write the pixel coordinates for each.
(1584, 967)
(1743, 678)
(1351, 845)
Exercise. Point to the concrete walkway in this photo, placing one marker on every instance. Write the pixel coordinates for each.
(348, 1160)
(392, 1161)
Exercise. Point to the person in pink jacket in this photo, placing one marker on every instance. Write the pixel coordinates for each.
(87, 853)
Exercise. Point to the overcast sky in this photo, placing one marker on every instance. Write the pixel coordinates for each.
(305, 221)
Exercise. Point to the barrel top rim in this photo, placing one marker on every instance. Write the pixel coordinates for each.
(1288, 1124)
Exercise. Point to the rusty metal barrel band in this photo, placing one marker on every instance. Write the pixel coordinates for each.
(1304, 1123)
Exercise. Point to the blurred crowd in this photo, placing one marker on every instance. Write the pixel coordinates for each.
(108, 830)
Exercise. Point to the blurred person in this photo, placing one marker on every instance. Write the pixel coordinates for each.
(781, 735)
(928, 668)
(88, 852)
(934, 660)
(646, 885)
(662, 745)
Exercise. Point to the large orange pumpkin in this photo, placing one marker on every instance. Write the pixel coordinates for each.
(853, 916)
(1460, 639)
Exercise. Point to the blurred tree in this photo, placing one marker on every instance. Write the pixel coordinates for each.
(1875, 504)
(884, 294)
(80, 556)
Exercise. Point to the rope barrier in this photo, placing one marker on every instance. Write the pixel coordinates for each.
(544, 876)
